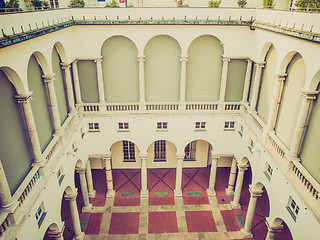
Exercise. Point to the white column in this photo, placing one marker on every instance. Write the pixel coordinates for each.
(144, 177)
(91, 191)
(232, 177)
(224, 77)
(237, 193)
(141, 60)
(178, 190)
(212, 180)
(275, 102)
(250, 213)
(68, 84)
(302, 122)
(256, 85)
(98, 62)
(272, 231)
(76, 82)
(110, 192)
(247, 81)
(183, 77)
(74, 216)
(31, 126)
(84, 189)
(5, 194)
(53, 104)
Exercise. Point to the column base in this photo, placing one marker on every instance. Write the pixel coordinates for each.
(177, 193)
(235, 205)
(211, 193)
(246, 234)
(87, 208)
(111, 193)
(144, 194)
(80, 237)
(229, 191)
(92, 194)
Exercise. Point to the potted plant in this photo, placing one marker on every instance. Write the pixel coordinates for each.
(76, 3)
(37, 4)
(268, 4)
(242, 3)
(113, 4)
(214, 3)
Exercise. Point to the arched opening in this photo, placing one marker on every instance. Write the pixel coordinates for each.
(53, 232)
(66, 214)
(280, 230)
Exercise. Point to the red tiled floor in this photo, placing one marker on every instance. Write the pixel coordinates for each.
(230, 220)
(126, 201)
(162, 222)
(195, 200)
(100, 185)
(93, 224)
(200, 221)
(124, 223)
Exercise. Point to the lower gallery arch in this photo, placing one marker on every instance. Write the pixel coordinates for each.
(53, 232)
(279, 230)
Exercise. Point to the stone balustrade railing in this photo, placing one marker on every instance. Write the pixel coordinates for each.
(275, 143)
(201, 106)
(162, 106)
(5, 224)
(122, 107)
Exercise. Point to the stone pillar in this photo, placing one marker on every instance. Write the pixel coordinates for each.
(275, 102)
(76, 82)
(250, 213)
(91, 191)
(272, 231)
(56, 234)
(53, 104)
(302, 122)
(110, 192)
(212, 180)
(178, 190)
(224, 77)
(235, 202)
(84, 189)
(232, 178)
(98, 62)
(256, 85)
(144, 177)
(247, 81)
(74, 216)
(31, 126)
(183, 77)
(5, 194)
(68, 86)
(141, 60)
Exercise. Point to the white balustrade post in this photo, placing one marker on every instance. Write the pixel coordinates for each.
(91, 191)
(76, 82)
(84, 189)
(224, 77)
(110, 192)
(5, 194)
(302, 122)
(256, 85)
(53, 104)
(237, 193)
(212, 179)
(178, 190)
(183, 77)
(31, 126)
(247, 81)
(275, 102)
(144, 177)
(78, 235)
(141, 60)
(250, 212)
(232, 178)
(69, 88)
(98, 62)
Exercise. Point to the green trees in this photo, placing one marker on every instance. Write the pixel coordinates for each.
(308, 5)
(213, 3)
(268, 4)
(12, 6)
(76, 3)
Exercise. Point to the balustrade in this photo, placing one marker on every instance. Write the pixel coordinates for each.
(91, 108)
(28, 188)
(201, 106)
(122, 107)
(162, 107)
(4, 226)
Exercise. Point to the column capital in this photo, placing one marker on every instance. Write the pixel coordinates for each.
(281, 77)
(80, 170)
(180, 157)
(255, 193)
(70, 196)
(226, 59)
(249, 60)
(55, 233)
(65, 65)
(242, 168)
(184, 58)
(260, 64)
(98, 59)
(309, 95)
(141, 58)
(48, 78)
(24, 98)
(143, 157)
(75, 61)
